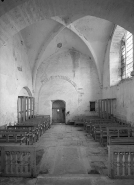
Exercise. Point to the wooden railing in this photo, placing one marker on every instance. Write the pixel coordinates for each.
(20, 160)
(121, 161)
(17, 161)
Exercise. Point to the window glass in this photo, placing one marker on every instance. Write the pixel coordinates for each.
(92, 106)
(126, 55)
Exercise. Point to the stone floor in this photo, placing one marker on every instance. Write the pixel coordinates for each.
(67, 155)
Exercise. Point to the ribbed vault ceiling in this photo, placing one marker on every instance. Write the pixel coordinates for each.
(45, 23)
(88, 35)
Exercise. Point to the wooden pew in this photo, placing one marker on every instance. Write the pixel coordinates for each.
(32, 129)
(78, 120)
(115, 131)
(40, 122)
(90, 124)
(121, 141)
(119, 132)
(17, 136)
(94, 126)
(35, 127)
(89, 119)
(82, 119)
(46, 119)
(98, 128)
(19, 160)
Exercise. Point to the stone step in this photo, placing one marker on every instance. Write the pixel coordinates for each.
(80, 179)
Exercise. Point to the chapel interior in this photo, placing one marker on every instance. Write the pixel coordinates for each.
(71, 62)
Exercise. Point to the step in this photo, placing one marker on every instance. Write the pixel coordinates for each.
(81, 179)
(65, 180)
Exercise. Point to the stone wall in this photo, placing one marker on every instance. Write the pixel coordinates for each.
(15, 74)
(123, 91)
(69, 76)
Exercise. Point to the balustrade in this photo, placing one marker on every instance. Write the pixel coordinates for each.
(121, 161)
(17, 161)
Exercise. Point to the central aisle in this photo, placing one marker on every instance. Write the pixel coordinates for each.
(67, 155)
(70, 150)
(71, 156)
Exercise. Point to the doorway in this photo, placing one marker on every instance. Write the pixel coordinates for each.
(58, 111)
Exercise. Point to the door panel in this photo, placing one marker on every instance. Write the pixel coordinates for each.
(58, 115)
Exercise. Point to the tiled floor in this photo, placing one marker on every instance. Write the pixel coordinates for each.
(69, 156)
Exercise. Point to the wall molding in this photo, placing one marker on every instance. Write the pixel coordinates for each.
(62, 78)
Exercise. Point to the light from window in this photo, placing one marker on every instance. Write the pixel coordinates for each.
(126, 55)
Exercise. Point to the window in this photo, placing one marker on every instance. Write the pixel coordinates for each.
(126, 55)
(25, 108)
(92, 105)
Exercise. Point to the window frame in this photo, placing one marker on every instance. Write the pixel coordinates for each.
(92, 109)
(126, 55)
(25, 108)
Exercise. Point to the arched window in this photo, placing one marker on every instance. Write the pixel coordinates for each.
(126, 55)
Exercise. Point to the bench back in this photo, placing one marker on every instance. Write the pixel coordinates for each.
(119, 131)
(14, 130)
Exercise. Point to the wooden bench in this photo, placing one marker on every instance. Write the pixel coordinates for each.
(82, 119)
(119, 132)
(88, 119)
(34, 128)
(17, 136)
(37, 129)
(94, 129)
(98, 128)
(88, 125)
(41, 124)
(41, 120)
(121, 141)
(95, 126)
(46, 119)
(114, 131)
(18, 160)
(29, 127)
(78, 120)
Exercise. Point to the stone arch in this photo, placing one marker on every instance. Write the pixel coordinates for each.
(16, 16)
(46, 95)
(114, 57)
(28, 90)
(59, 100)
(63, 78)
(25, 91)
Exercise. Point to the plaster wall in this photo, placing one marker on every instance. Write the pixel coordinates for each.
(97, 32)
(69, 76)
(15, 74)
(123, 92)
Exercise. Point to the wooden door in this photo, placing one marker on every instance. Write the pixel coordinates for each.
(58, 115)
